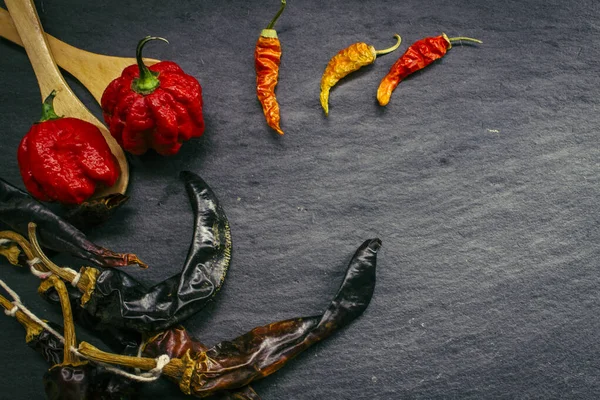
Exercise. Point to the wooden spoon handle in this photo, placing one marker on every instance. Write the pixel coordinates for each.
(8, 29)
(27, 22)
(94, 71)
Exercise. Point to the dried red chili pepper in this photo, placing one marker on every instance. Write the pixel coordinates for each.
(157, 107)
(346, 61)
(17, 209)
(267, 56)
(65, 159)
(175, 342)
(419, 55)
(264, 350)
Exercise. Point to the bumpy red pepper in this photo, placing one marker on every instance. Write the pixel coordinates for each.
(157, 107)
(65, 159)
(419, 55)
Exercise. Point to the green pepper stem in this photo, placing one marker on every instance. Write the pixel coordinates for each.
(390, 49)
(459, 38)
(48, 112)
(148, 81)
(468, 39)
(272, 23)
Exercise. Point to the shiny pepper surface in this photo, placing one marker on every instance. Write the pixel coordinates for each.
(346, 61)
(418, 56)
(157, 107)
(65, 159)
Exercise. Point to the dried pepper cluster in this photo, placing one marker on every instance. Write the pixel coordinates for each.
(130, 315)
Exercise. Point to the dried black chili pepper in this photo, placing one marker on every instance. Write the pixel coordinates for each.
(18, 208)
(115, 299)
(264, 350)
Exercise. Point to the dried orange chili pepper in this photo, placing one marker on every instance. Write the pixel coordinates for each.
(267, 57)
(348, 60)
(419, 55)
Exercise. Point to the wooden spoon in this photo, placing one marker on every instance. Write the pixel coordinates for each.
(94, 71)
(26, 20)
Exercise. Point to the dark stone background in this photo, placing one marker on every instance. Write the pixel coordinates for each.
(480, 177)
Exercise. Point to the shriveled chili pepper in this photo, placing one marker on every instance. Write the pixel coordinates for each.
(346, 61)
(17, 209)
(267, 57)
(262, 351)
(157, 107)
(115, 299)
(65, 159)
(176, 342)
(419, 55)
(95, 211)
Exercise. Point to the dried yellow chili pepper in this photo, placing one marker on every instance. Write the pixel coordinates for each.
(348, 60)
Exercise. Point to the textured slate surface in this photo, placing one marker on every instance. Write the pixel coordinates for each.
(480, 177)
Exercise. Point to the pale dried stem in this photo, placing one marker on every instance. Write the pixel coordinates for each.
(32, 328)
(24, 245)
(69, 327)
(173, 369)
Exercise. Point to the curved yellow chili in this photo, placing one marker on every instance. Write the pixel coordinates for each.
(348, 60)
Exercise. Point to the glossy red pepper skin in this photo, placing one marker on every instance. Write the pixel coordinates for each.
(419, 55)
(65, 159)
(161, 120)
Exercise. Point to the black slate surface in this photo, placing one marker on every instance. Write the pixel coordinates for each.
(480, 177)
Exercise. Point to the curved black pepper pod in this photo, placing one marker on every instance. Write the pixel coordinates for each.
(121, 301)
(18, 209)
(234, 364)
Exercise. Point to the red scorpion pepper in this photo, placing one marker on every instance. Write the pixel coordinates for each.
(64, 159)
(157, 107)
(267, 57)
(419, 55)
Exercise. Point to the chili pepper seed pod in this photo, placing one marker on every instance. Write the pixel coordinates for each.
(267, 57)
(346, 61)
(418, 56)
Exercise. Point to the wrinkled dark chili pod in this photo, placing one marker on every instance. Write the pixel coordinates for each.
(175, 342)
(266, 349)
(18, 208)
(121, 301)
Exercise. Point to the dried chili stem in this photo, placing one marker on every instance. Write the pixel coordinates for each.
(390, 49)
(25, 246)
(32, 328)
(69, 327)
(458, 39)
(272, 23)
(173, 369)
(67, 275)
